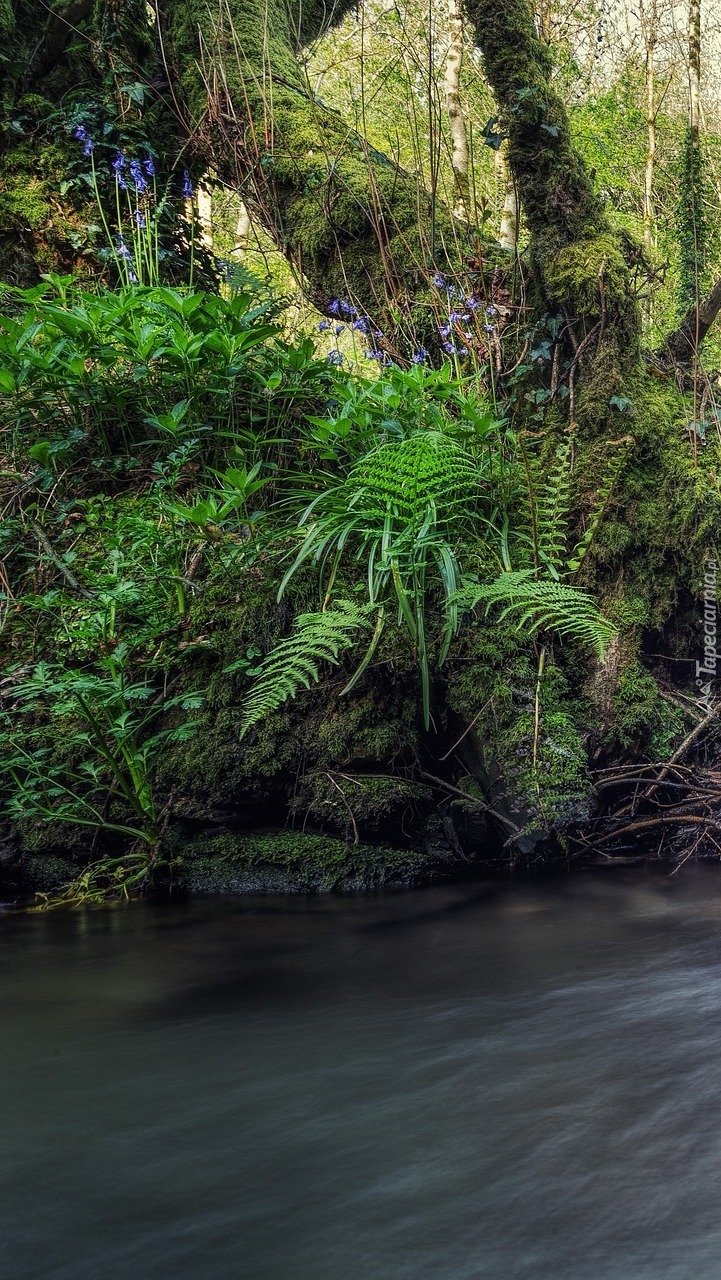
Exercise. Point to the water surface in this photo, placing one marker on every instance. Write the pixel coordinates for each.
(511, 1082)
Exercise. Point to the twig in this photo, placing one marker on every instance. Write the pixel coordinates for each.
(69, 577)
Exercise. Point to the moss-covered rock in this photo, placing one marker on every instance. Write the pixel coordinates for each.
(295, 862)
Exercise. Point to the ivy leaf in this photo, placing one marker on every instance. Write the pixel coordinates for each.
(137, 92)
(622, 403)
(489, 135)
(542, 351)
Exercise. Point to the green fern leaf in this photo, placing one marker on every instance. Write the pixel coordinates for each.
(295, 662)
(544, 605)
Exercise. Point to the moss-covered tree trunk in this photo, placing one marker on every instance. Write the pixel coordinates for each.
(353, 224)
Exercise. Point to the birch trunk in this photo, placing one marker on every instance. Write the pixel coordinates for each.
(649, 22)
(454, 109)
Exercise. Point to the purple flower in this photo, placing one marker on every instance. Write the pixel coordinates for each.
(83, 136)
(420, 356)
(439, 280)
(340, 328)
(187, 185)
(138, 177)
(347, 309)
(362, 324)
(139, 219)
(457, 317)
(117, 166)
(444, 330)
(132, 276)
(334, 307)
(123, 250)
(489, 328)
(335, 357)
(473, 303)
(149, 166)
(323, 326)
(491, 311)
(449, 347)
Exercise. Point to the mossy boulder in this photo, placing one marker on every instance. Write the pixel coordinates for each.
(296, 862)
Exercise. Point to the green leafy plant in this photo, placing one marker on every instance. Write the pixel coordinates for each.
(543, 605)
(402, 511)
(99, 770)
(295, 662)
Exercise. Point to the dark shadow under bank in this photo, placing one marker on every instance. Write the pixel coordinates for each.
(213, 862)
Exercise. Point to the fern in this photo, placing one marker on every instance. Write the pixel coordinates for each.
(600, 506)
(553, 505)
(544, 605)
(316, 638)
(402, 509)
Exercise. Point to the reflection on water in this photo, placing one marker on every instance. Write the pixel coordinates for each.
(518, 1082)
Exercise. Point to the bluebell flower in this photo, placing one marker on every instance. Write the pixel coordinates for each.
(132, 276)
(347, 309)
(449, 347)
(139, 219)
(334, 307)
(420, 356)
(457, 317)
(473, 303)
(335, 357)
(362, 324)
(187, 185)
(117, 166)
(489, 328)
(444, 330)
(138, 177)
(123, 250)
(149, 166)
(323, 326)
(82, 135)
(340, 328)
(491, 311)
(439, 280)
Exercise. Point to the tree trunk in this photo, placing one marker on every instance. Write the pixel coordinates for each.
(582, 264)
(454, 109)
(649, 24)
(350, 220)
(508, 232)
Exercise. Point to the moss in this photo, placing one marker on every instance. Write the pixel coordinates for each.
(293, 862)
(495, 688)
(643, 720)
(43, 873)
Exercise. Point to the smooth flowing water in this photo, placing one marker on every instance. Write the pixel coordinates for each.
(519, 1082)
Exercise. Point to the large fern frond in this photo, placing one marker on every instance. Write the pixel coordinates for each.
(544, 605)
(294, 663)
(553, 504)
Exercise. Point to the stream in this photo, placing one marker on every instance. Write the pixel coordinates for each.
(512, 1080)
